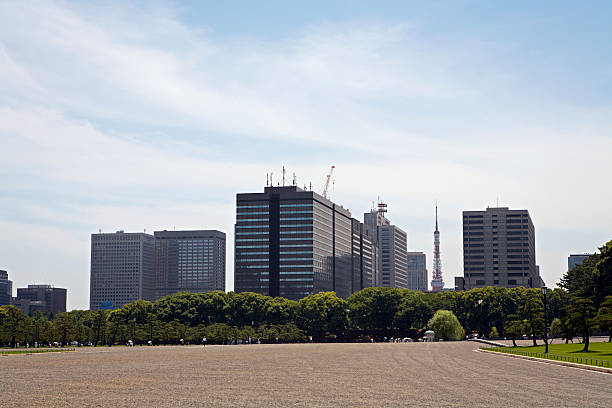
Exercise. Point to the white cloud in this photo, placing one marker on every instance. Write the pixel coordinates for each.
(123, 120)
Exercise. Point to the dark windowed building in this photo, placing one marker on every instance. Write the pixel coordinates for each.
(498, 249)
(44, 298)
(416, 264)
(6, 289)
(364, 257)
(121, 269)
(192, 261)
(292, 243)
(576, 259)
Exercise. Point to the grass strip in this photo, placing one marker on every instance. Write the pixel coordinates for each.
(5, 352)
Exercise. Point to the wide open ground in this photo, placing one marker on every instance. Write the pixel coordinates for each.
(303, 375)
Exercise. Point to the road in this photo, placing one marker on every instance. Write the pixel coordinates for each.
(301, 375)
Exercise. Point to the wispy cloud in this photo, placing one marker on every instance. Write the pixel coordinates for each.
(121, 118)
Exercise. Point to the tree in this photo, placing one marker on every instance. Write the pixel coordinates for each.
(445, 325)
(602, 275)
(413, 312)
(514, 328)
(374, 309)
(494, 334)
(64, 326)
(99, 327)
(39, 324)
(323, 313)
(556, 328)
(532, 311)
(13, 323)
(581, 318)
(604, 317)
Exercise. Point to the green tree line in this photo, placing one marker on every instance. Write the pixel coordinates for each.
(583, 302)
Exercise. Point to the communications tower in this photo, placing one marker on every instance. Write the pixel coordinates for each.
(437, 283)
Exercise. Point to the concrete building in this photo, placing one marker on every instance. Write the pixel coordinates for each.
(121, 269)
(192, 261)
(392, 249)
(6, 289)
(576, 259)
(44, 298)
(292, 243)
(416, 266)
(498, 249)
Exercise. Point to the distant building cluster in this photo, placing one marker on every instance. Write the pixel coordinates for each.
(292, 242)
(35, 298)
(129, 266)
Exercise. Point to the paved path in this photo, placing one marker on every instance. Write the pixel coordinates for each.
(319, 375)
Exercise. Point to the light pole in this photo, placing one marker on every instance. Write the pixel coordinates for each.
(544, 290)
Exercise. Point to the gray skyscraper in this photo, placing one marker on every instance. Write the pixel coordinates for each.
(364, 257)
(292, 243)
(576, 259)
(121, 269)
(417, 271)
(498, 249)
(6, 288)
(392, 249)
(192, 261)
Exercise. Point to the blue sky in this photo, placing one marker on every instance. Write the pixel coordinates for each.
(119, 115)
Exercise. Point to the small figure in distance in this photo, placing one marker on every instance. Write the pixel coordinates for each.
(204, 341)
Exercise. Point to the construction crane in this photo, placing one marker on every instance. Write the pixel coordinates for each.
(331, 171)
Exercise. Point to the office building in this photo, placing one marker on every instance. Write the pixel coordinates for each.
(392, 249)
(43, 298)
(498, 249)
(416, 265)
(6, 288)
(121, 269)
(192, 261)
(364, 253)
(576, 259)
(292, 243)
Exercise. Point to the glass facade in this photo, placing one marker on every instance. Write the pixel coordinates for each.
(416, 265)
(292, 243)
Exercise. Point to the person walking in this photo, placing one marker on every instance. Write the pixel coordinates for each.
(204, 341)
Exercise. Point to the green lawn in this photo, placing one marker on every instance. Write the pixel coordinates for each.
(601, 351)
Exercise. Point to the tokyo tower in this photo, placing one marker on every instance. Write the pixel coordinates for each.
(437, 283)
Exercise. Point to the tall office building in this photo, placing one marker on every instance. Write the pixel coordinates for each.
(392, 249)
(498, 249)
(364, 254)
(416, 265)
(576, 259)
(192, 261)
(292, 243)
(6, 288)
(44, 298)
(121, 269)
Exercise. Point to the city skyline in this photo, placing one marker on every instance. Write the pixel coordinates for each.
(154, 116)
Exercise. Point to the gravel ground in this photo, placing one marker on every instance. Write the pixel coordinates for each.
(301, 375)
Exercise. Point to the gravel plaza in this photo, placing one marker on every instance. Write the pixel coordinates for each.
(295, 375)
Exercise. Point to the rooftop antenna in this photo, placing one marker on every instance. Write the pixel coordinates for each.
(284, 176)
(294, 180)
(100, 230)
(271, 182)
(267, 179)
(311, 186)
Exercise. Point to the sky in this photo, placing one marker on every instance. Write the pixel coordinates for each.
(143, 115)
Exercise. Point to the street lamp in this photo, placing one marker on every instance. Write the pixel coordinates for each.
(544, 290)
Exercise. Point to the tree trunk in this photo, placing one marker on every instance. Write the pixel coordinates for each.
(585, 340)
(533, 335)
(513, 342)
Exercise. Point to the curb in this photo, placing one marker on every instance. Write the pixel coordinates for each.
(555, 362)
